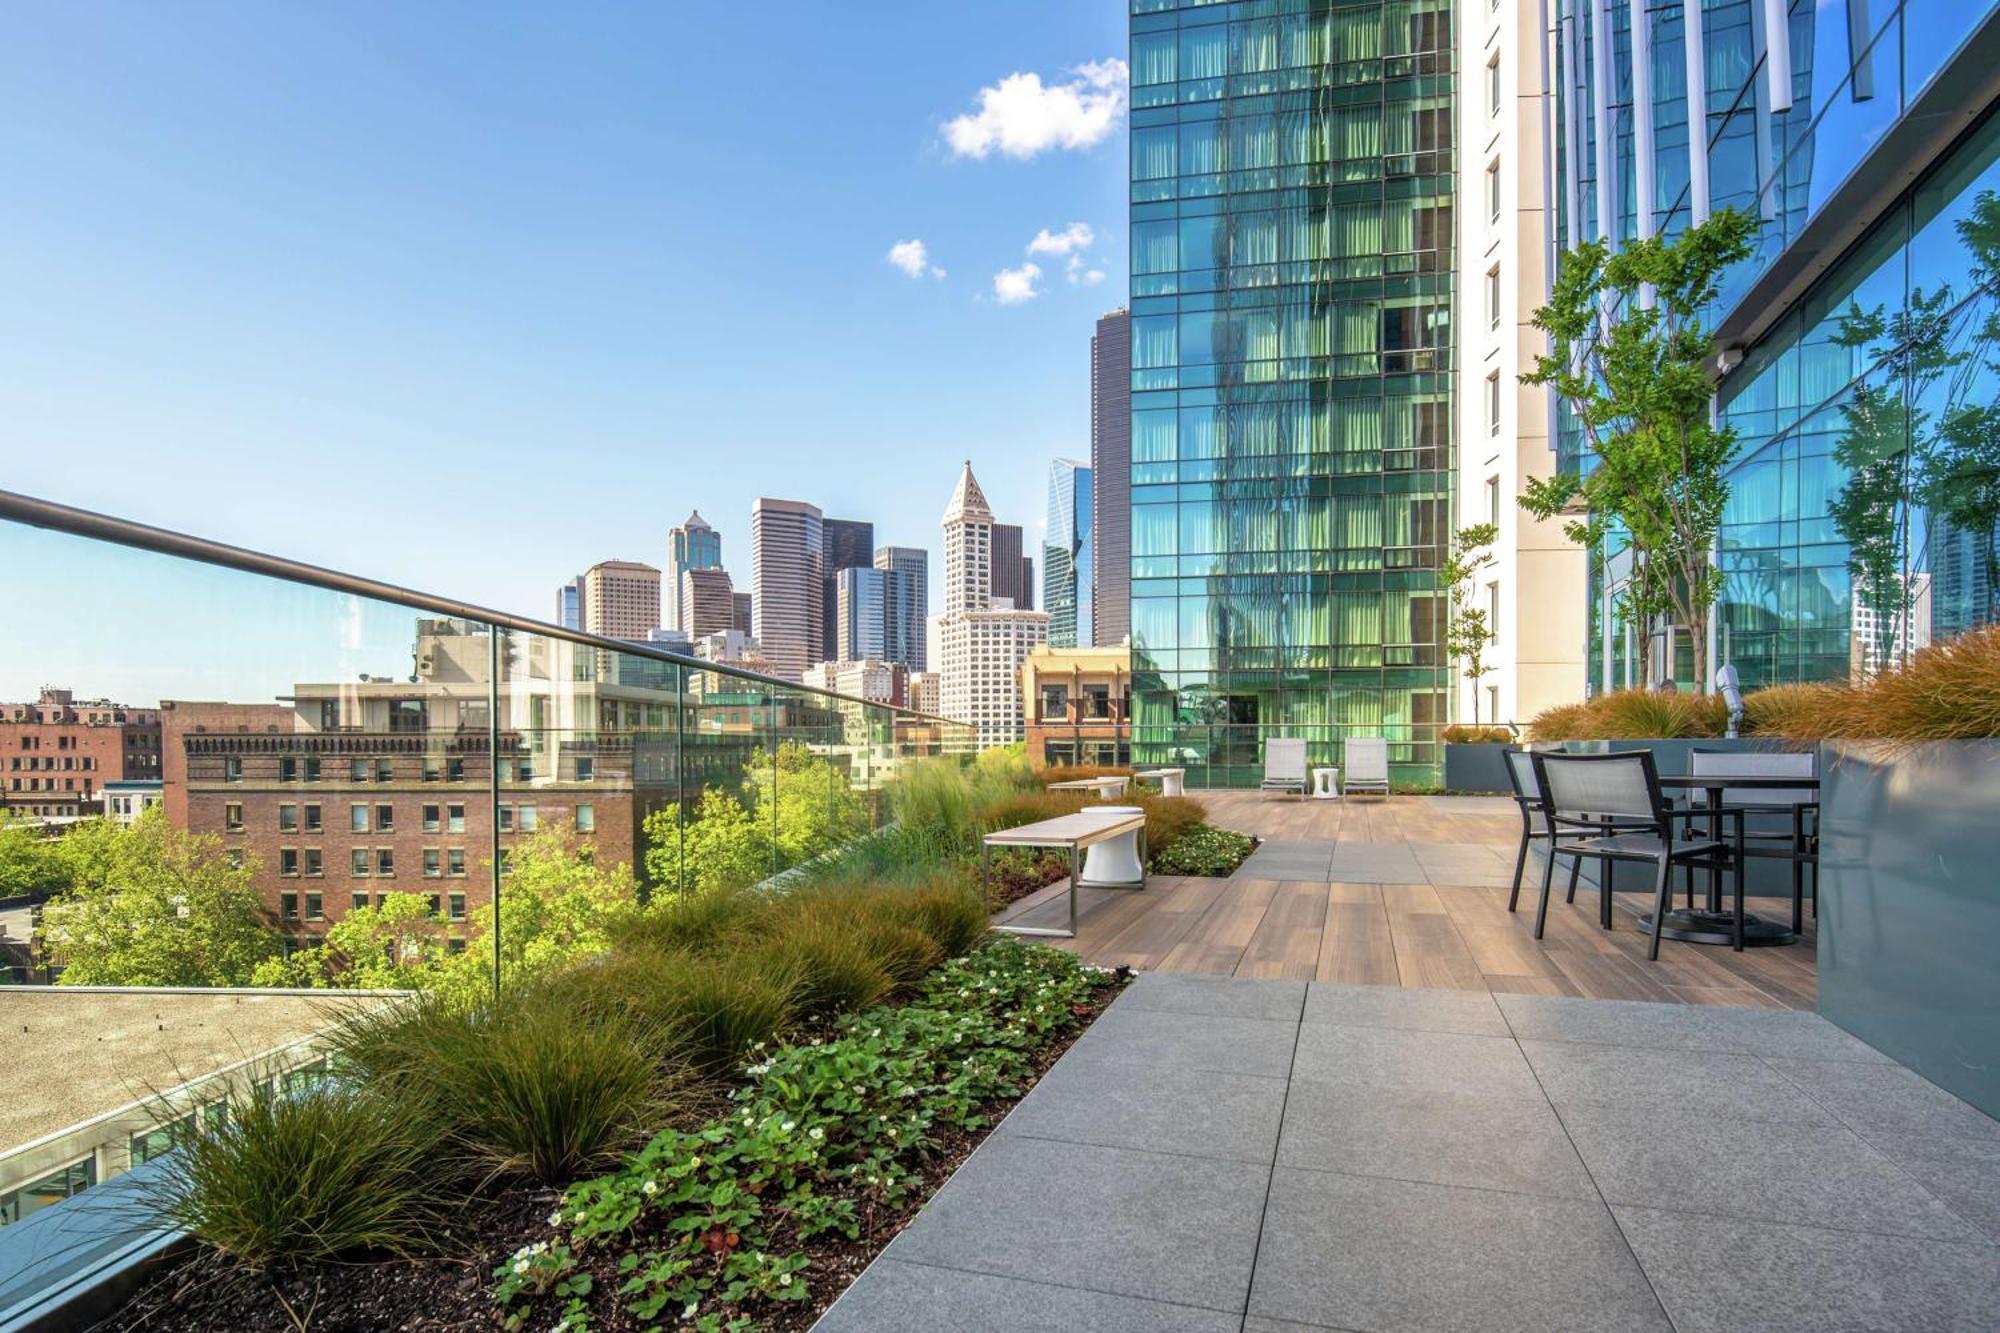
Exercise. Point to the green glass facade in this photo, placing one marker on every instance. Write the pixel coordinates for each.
(1292, 263)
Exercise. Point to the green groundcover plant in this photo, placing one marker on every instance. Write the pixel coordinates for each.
(1204, 851)
(706, 1228)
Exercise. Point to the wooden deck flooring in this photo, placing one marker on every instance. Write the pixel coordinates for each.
(1445, 926)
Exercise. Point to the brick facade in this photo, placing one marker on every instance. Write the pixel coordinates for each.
(56, 754)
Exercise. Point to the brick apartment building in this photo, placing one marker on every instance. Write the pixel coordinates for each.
(1077, 702)
(348, 791)
(57, 753)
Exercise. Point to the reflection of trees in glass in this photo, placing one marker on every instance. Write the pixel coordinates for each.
(1901, 456)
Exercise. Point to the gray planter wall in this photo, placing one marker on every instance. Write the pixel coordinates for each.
(1909, 945)
(1768, 878)
(1476, 768)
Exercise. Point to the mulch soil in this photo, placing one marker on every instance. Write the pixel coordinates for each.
(202, 1293)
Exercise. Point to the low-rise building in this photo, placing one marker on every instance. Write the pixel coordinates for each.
(871, 679)
(1077, 702)
(57, 753)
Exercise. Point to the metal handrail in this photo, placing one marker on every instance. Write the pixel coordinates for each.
(39, 513)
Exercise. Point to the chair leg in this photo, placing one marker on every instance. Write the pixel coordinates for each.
(1687, 882)
(1548, 881)
(1663, 887)
(1798, 891)
(1575, 868)
(1736, 931)
(1520, 868)
(1606, 871)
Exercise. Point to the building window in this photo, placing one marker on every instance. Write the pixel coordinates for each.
(385, 819)
(357, 819)
(454, 770)
(454, 861)
(586, 767)
(288, 769)
(1493, 403)
(312, 768)
(431, 869)
(288, 906)
(385, 770)
(527, 819)
(457, 901)
(385, 861)
(1493, 612)
(235, 858)
(433, 770)
(432, 821)
(1493, 85)
(232, 817)
(454, 819)
(315, 907)
(360, 902)
(1493, 298)
(506, 819)
(288, 819)
(1493, 501)
(288, 860)
(357, 862)
(312, 817)
(232, 769)
(313, 866)
(1493, 191)
(435, 904)
(586, 819)
(357, 770)
(1055, 702)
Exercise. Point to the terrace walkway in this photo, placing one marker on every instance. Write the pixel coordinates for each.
(1240, 1156)
(1409, 891)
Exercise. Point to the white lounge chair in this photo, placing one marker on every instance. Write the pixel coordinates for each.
(1367, 767)
(1284, 766)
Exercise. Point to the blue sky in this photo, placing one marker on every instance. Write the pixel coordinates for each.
(469, 296)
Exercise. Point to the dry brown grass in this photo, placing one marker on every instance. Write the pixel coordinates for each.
(1463, 734)
(1634, 715)
(1796, 712)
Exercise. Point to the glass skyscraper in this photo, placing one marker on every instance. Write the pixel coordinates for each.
(1292, 255)
(1862, 516)
(1068, 555)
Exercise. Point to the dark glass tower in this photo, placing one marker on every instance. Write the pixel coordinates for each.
(1111, 478)
(1292, 178)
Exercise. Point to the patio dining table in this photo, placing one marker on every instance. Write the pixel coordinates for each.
(1712, 925)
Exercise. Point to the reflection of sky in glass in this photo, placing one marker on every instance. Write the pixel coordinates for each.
(113, 622)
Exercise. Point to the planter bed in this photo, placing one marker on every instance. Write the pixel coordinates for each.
(756, 1218)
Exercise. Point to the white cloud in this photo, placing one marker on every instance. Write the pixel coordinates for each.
(1021, 117)
(1076, 236)
(1093, 277)
(1011, 286)
(914, 258)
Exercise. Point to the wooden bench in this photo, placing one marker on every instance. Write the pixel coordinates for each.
(1074, 832)
(1107, 789)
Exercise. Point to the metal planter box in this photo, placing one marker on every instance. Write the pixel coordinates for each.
(1476, 768)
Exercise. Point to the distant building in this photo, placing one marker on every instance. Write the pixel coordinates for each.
(691, 546)
(672, 640)
(844, 544)
(861, 614)
(569, 604)
(731, 647)
(983, 639)
(909, 603)
(58, 753)
(126, 801)
(1078, 705)
(621, 599)
(1111, 478)
(1013, 571)
(745, 613)
(1882, 641)
(921, 693)
(1068, 555)
(874, 680)
(707, 601)
(787, 554)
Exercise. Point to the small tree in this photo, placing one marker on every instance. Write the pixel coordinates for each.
(1628, 343)
(1466, 633)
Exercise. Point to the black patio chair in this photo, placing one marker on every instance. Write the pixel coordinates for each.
(1609, 807)
(1797, 807)
(1534, 817)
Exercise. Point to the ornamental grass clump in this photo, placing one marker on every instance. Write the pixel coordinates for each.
(1797, 712)
(1948, 691)
(716, 1008)
(285, 1176)
(832, 963)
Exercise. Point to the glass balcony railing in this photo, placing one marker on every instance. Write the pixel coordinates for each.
(307, 781)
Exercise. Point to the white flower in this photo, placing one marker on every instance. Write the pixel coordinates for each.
(785, 1281)
(577, 1216)
(650, 1188)
(788, 1127)
(694, 1161)
(555, 1218)
(520, 1265)
(692, 1306)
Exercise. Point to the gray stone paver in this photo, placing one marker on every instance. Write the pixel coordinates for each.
(1285, 1157)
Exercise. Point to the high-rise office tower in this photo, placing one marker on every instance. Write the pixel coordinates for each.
(1068, 555)
(621, 599)
(861, 615)
(786, 551)
(692, 545)
(909, 602)
(569, 604)
(744, 614)
(982, 640)
(1012, 569)
(1292, 270)
(844, 544)
(1111, 478)
(707, 602)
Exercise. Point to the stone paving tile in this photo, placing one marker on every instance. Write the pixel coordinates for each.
(1176, 1229)
(1723, 1275)
(1501, 1143)
(1348, 1252)
(1158, 1107)
(1669, 1084)
(1614, 1022)
(1224, 997)
(1376, 863)
(1389, 1007)
(1825, 1176)
(895, 1297)
(1191, 1041)
(1255, 1324)
(1964, 1172)
(1886, 1099)
(1416, 1062)
(1794, 1033)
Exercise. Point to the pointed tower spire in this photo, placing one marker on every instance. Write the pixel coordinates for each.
(968, 502)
